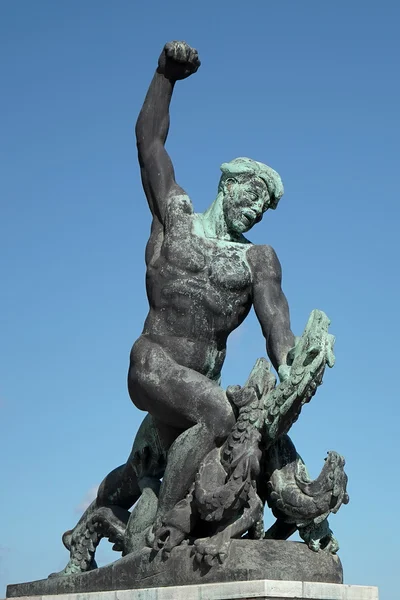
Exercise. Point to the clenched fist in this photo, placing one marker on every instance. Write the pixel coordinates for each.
(178, 60)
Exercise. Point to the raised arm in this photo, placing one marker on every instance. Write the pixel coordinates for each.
(271, 306)
(177, 61)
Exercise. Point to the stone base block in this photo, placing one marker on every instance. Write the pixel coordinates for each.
(238, 590)
(248, 560)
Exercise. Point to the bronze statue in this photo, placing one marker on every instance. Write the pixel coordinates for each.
(221, 454)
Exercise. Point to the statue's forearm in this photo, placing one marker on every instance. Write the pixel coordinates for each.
(280, 341)
(153, 121)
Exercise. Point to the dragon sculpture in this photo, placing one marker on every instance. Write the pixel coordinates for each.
(256, 465)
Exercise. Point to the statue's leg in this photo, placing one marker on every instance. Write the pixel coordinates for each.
(179, 397)
(116, 494)
(148, 457)
(108, 514)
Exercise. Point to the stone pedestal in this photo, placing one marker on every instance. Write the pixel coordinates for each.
(248, 560)
(238, 590)
(264, 569)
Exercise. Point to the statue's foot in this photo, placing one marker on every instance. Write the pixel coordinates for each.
(329, 543)
(166, 538)
(319, 537)
(72, 568)
(212, 551)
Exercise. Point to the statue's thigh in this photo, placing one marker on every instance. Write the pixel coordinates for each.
(173, 394)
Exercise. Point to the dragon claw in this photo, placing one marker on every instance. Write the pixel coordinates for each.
(212, 551)
(167, 538)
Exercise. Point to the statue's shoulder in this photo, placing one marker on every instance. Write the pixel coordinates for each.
(178, 202)
(261, 256)
(179, 210)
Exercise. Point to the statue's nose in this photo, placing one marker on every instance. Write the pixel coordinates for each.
(259, 205)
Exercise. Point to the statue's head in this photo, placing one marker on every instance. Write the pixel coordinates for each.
(249, 188)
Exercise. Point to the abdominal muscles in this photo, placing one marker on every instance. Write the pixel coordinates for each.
(195, 304)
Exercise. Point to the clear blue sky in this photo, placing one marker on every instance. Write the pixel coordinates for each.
(311, 88)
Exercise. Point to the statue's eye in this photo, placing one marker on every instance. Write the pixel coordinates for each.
(253, 196)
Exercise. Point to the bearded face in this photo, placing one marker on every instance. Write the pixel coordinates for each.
(244, 203)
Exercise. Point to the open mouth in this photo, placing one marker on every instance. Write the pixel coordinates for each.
(249, 215)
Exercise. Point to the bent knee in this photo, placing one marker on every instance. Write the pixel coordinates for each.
(148, 363)
(146, 372)
(222, 424)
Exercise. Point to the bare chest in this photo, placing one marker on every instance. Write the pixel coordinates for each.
(186, 254)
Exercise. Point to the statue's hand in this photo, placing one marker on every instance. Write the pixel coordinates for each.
(178, 60)
(284, 369)
(283, 372)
